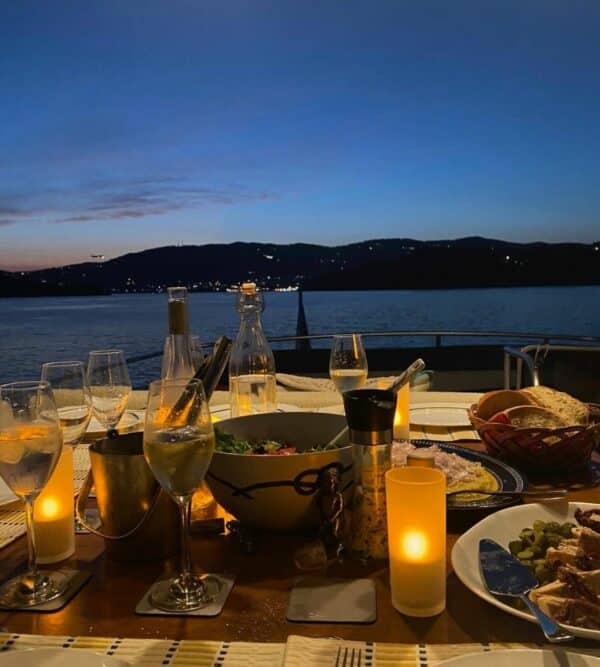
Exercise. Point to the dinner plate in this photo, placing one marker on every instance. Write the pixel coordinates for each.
(130, 421)
(503, 527)
(58, 657)
(508, 478)
(522, 658)
(439, 414)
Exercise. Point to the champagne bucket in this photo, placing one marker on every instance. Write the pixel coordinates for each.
(139, 521)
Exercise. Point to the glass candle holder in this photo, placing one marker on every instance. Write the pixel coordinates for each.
(416, 517)
(402, 416)
(53, 518)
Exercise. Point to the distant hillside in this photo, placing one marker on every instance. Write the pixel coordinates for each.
(375, 264)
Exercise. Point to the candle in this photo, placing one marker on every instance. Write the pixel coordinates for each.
(416, 518)
(53, 519)
(402, 416)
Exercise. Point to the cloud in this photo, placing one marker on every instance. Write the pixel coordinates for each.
(120, 200)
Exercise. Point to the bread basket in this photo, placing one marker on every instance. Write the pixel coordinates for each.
(539, 450)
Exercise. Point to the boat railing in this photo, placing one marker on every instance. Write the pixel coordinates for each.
(439, 338)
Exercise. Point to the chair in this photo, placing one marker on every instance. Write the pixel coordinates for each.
(574, 369)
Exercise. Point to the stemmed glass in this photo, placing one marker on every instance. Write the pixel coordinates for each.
(72, 397)
(348, 363)
(110, 386)
(178, 445)
(30, 446)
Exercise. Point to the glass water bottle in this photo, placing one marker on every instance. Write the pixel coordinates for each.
(178, 359)
(252, 365)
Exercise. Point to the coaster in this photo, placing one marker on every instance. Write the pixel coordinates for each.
(320, 600)
(212, 608)
(76, 580)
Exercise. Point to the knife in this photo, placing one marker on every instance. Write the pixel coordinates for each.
(503, 574)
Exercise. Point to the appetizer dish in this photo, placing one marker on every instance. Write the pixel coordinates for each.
(461, 474)
(230, 444)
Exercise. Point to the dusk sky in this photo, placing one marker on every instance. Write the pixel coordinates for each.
(128, 124)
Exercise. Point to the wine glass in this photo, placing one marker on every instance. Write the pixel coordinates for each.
(72, 397)
(348, 362)
(30, 446)
(178, 445)
(110, 386)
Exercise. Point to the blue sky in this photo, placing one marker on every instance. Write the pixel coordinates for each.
(131, 124)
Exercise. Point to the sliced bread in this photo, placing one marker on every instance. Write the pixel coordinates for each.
(494, 402)
(533, 416)
(568, 408)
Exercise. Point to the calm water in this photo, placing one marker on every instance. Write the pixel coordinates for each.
(49, 329)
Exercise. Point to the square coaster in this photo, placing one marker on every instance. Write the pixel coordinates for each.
(320, 600)
(212, 608)
(75, 581)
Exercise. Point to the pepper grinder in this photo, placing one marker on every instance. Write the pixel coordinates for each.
(370, 417)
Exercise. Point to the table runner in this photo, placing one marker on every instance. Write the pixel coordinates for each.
(298, 652)
(12, 516)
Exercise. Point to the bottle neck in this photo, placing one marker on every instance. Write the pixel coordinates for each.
(178, 318)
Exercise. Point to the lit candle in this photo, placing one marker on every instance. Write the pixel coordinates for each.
(416, 517)
(53, 519)
(402, 416)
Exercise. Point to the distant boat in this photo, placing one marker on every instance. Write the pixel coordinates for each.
(97, 256)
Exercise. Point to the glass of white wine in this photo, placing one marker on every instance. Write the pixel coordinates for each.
(109, 385)
(179, 441)
(348, 363)
(30, 446)
(72, 397)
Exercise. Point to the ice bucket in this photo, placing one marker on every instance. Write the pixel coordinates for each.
(138, 520)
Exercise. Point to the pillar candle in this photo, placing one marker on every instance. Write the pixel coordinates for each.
(416, 517)
(53, 518)
(402, 416)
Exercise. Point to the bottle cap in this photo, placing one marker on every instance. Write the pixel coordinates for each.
(249, 288)
(370, 411)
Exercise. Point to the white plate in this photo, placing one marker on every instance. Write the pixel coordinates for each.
(439, 414)
(522, 658)
(6, 495)
(504, 526)
(58, 657)
(131, 420)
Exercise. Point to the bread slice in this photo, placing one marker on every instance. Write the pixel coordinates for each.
(568, 408)
(494, 402)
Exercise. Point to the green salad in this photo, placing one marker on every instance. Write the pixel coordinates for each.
(230, 444)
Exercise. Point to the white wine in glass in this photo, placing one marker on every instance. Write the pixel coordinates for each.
(179, 442)
(72, 397)
(348, 363)
(30, 446)
(110, 386)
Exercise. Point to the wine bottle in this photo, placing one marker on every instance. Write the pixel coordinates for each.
(178, 360)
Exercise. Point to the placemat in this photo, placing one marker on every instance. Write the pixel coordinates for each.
(12, 517)
(298, 652)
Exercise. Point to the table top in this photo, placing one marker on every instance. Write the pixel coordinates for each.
(256, 608)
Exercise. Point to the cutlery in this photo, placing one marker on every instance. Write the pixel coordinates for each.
(396, 385)
(346, 657)
(503, 574)
(550, 494)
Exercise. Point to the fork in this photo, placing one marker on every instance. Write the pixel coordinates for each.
(550, 494)
(346, 658)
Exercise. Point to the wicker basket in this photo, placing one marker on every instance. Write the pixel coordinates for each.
(538, 450)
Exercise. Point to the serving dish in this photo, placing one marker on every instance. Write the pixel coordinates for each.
(502, 527)
(274, 492)
(508, 478)
(522, 658)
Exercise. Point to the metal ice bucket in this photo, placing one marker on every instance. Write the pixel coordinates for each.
(139, 521)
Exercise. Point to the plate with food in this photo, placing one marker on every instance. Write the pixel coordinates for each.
(560, 544)
(439, 414)
(466, 470)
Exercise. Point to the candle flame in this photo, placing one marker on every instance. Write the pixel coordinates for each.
(414, 545)
(49, 508)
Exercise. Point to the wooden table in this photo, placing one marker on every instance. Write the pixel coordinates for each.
(256, 608)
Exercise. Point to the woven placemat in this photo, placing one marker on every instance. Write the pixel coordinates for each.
(298, 652)
(12, 516)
